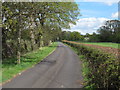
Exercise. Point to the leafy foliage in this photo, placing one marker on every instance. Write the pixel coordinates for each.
(72, 36)
(109, 32)
(30, 25)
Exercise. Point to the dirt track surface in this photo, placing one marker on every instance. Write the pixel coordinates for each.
(61, 69)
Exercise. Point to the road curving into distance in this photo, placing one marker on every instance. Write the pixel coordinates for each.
(61, 69)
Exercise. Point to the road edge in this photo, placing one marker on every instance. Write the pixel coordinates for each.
(1, 84)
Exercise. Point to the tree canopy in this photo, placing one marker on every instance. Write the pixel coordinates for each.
(27, 25)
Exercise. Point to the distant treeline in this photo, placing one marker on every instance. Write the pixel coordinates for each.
(109, 32)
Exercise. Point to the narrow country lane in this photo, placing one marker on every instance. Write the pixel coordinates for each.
(61, 69)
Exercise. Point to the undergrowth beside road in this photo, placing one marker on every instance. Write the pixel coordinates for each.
(85, 68)
(10, 68)
(103, 67)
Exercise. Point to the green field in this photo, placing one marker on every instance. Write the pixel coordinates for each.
(9, 68)
(106, 44)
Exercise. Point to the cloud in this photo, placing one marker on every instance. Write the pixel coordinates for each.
(87, 25)
(115, 15)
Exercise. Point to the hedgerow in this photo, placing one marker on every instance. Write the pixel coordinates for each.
(103, 67)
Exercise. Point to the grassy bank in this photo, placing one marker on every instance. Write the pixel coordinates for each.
(85, 70)
(9, 68)
(105, 44)
(85, 67)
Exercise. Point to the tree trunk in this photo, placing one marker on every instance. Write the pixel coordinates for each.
(38, 40)
(25, 46)
(19, 46)
(32, 40)
(19, 37)
(31, 45)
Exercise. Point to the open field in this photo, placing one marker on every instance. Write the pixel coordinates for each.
(102, 47)
(105, 44)
(10, 69)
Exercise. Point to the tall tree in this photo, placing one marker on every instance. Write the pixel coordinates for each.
(27, 23)
(110, 31)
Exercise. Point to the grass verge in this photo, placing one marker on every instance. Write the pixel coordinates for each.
(85, 67)
(10, 69)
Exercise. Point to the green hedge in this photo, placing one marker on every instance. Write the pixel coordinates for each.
(103, 67)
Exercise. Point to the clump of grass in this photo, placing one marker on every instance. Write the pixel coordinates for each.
(10, 68)
(85, 71)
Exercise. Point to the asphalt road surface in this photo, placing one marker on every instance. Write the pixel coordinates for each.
(61, 69)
